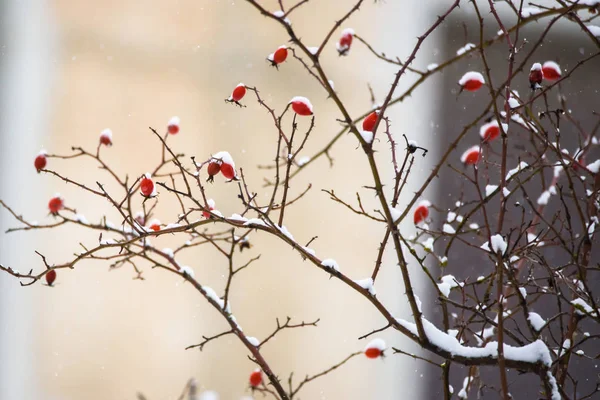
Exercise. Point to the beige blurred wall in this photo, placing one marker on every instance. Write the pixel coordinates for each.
(127, 65)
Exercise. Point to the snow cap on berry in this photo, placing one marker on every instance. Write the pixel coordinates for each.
(551, 71)
(343, 45)
(106, 137)
(471, 155)
(301, 105)
(225, 157)
(471, 81)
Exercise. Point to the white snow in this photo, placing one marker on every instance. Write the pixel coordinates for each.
(367, 284)
(594, 30)
(471, 76)
(279, 14)
(330, 263)
(168, 252)
(395, 213)
(505, 191)
(536, 67)
(366, 135)
(531, 353)
(594, 167)
(432, 66)
(523, 291)
(448, 283)
(451, 216)
(529, 11)
(489, 189)
(255, 222)
(211, 294)
(498, 244)
(465, 48)
(473, 226)
(536, 321)
(376, 343)
(175, 121)
(82, 219)
(303, 160)
(428, 244)
(313, 50)
(584, 308)
(285, 231)
(522, 165)
(544, 197)
(253, 341)
(187, 271)
(225, 157)
(309, 251)
(238, 217)
(447, 228)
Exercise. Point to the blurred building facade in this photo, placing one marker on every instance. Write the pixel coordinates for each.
(72, 68)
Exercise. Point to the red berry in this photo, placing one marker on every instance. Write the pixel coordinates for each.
(343, 45)
(40, 162)
(228, 171)
(173, 126)
(471, 81)
(369, 121)
(55, 205)
(213, 168)
(51, 277)
(301, 106)
(155, 225)
(490, 131)
(279, 56)
(551, 71)
(238, 93)
(375, 348)
(471, 156)
(211, 206)
(372, 352)
(147, 187)
(421, 212)
(256, 378)
(106, 137)
(535, 75)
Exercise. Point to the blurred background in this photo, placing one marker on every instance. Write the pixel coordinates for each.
(70, 69)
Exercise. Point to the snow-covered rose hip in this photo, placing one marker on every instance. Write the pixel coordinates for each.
(155, 225)
(369, 121)
(238, 93)
(343, 45)
(256, 378)
(471, 81)
(301, 106)
(106, 137)
(375, 348)
(40, 161)
(56, 204)
(173, 125)
(551, 71)
(491, 130)
(147, 186)
(471, 156)
(535, 76)
(211, 206)
(227, 166)
(279, 56)
(421, 212)
(51, 277)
